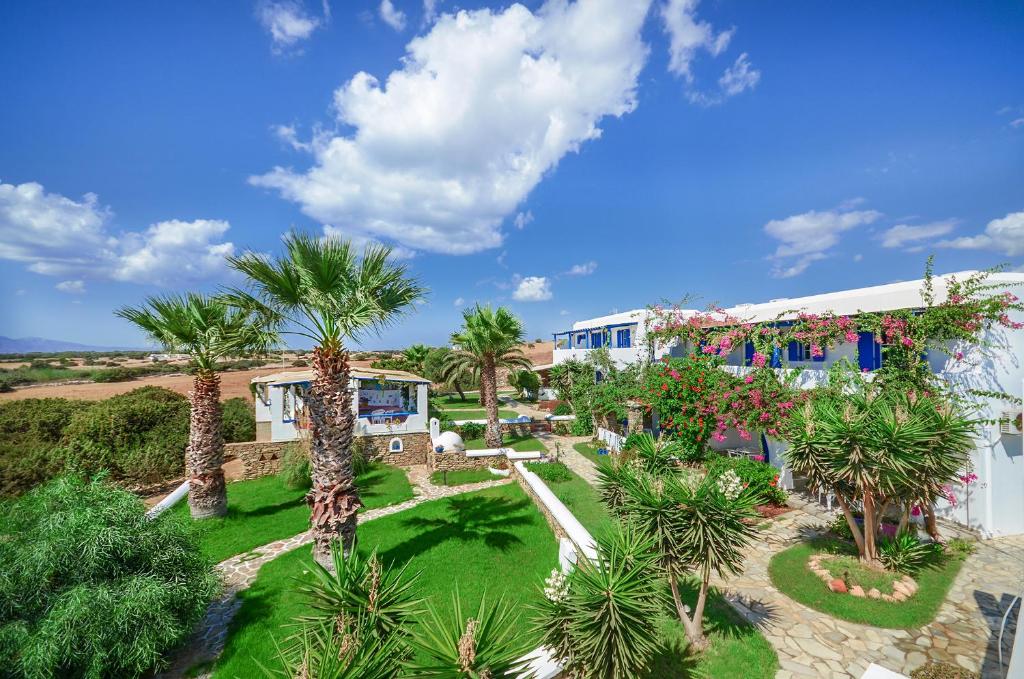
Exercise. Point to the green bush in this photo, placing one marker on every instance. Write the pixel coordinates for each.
(904, 553)
(139, 436)
(562, 409)
(471, 430)
(114, 375)
(89, 587)
(550, 472)
(841, 528)
(29, 430)
(295, 470)
(239, 420)
(761, 477)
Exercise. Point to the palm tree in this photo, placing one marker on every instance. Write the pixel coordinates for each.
(415, 357)
(324, 291)
(489, 339)
(206, 329)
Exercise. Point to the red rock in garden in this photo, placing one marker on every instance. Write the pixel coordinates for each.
(837, 586)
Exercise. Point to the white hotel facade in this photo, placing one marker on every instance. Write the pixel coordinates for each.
(994, 504)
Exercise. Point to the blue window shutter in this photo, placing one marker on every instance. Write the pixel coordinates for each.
(866, 349)
(776, 357)
(748, 353)
(793, 352)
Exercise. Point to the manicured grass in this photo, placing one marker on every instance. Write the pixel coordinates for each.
(478, 414)
(461, 477)
(737, 649)
(263, 510)
(491, 541)
(453, 402)
(790, 574)
(519, 443)
(589, 450)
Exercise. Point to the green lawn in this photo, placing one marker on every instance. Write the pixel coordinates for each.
(453, 402)
(737, 649)
(789, 573)
(478, 414)
(491, 541)
(589, 451)
(263, 510)
(462, 476)
(519, 443)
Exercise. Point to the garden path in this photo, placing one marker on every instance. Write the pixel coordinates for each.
(240, 571)
(583, 466)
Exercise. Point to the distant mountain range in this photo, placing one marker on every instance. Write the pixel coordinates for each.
(27, 345)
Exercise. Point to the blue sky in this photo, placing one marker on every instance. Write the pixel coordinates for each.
(564, 159)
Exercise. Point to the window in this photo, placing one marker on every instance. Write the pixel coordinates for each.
(801, 351)
(581, 340)
(623, 338)
(386, 402)
(395, 446)
(596, 339)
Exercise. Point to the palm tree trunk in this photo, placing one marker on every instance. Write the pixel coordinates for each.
(333, 499)
(207, 496)
(458, 387)
(489, 395)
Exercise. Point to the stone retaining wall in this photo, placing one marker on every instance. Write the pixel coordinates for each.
(259, 458)
(450, 462)
(556, 527)
(415, 448)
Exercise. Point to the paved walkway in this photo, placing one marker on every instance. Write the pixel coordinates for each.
(568, 455)
(240, 571)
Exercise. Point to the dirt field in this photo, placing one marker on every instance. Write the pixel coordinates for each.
(232, 384)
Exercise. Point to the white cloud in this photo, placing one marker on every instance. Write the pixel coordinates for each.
(533, 289)
(483, 106)
(687, 36)
(739, 77)
(360, 241)
(1017, 122)
(563, 312)
(584, 269)
(429, 11)
(904, 234)
(805, 238)
(459, 302)
(59, 236)
(1005, 235)
(71, 287)
(395, 18)
(522, 219)
(288, 23)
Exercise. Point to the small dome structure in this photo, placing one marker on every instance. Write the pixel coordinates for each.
(450, 442)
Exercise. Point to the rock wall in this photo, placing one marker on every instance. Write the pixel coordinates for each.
(415, 448)
(556, 527)
(450, 462)
(259, 458)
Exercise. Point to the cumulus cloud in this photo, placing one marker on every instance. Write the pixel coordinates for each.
(55, 235)
(806, 238)
(485, 103)
(1005, 235)
(288, 23)
(584, 269)
(71, 287)
(522, 219)
(429, 11)
(687, 36)
(360, 241)
(533, 289)
(393, 17)
(904, 234)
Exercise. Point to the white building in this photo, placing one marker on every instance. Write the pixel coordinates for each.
(995, 502)
(623, 334)
(385, 403)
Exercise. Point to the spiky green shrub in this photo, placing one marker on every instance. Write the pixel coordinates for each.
(295, 472)
(905, 553)
(458, 645)
(89, 587)
(600, 620)
(330, 651)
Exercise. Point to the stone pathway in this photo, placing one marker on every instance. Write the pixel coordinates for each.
(568, 455)
(240, 571)
(813, 644)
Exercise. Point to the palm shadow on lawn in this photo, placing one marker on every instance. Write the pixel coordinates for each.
(466, 519)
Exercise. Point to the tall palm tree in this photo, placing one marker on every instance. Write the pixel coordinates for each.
(324, 291)
(207, 329)
(489, 339)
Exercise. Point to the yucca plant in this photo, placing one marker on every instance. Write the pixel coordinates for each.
(454, 645)
(600, 620)
(696, 527)
(330, 651)
(904, 553)
(325, 291)
(358, 587)
(876, 447)
(489, 340)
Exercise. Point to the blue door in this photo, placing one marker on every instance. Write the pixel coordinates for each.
(869, 352)
(596, 340)
(748, 353)
(624, 338)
